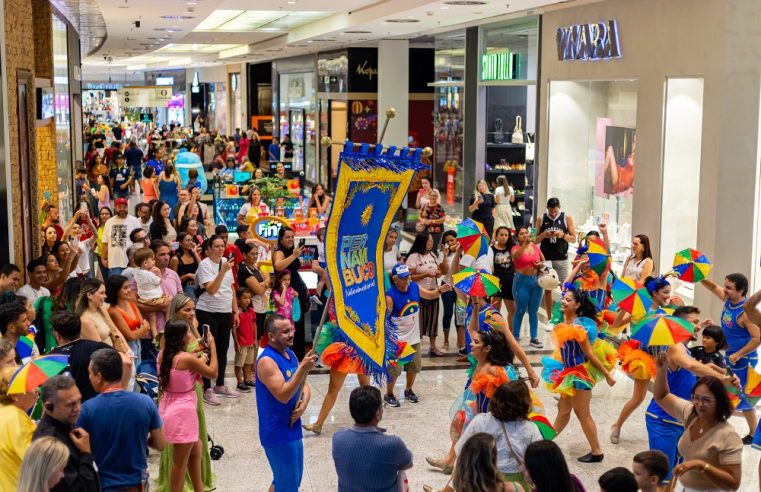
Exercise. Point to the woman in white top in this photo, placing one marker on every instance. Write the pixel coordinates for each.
(508, 422)
(216, 307)
(449, 299)
(390, 251)
(426, 267)
(504, 196)
(639, 265)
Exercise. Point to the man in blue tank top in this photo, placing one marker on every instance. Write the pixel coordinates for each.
(279, 404)
(663, 430)
(742, 333)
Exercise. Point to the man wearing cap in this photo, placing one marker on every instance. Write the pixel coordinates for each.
(116, 240)
(402, 301)
(121, 176)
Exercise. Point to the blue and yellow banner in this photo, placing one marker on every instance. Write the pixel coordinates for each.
(369, 191)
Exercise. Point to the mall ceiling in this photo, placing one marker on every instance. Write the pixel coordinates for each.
(159, 34)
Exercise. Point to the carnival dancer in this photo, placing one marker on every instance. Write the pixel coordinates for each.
(580, 361)
(280, 404)
(636, 361)
(743, 336)
(489, 320)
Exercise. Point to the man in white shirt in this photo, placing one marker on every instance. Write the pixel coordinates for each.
(36, 273)
(116, 237)
(143, 214)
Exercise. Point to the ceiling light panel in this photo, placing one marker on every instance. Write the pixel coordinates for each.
(217, 19)
(251, 20)
(197, 48)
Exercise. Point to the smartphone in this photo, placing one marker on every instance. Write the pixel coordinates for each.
(231, 257)
(83, 207)
(302, 242)
(174, 246)
(205, 334)
(46, 196)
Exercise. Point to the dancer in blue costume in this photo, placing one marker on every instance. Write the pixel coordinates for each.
(581, 360)
(742, 333)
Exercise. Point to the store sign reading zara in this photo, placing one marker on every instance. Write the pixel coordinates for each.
(594, 41)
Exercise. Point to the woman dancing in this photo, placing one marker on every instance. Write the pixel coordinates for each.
(581, 361)
(636, 361)
(491, 367)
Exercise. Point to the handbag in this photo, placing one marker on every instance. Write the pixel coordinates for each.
(518, 131)
(419, 226)
(529, 149)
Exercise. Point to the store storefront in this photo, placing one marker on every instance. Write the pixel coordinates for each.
(62, 105)
(629, 133)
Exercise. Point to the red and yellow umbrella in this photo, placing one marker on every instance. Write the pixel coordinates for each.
(473, 238)
(631, 296)
(35, 372)
(475, 283)
(662, 331)
(691, 265)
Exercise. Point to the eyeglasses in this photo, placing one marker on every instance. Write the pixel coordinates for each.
(703, 400)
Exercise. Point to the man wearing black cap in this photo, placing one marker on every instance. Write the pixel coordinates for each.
(121, 176)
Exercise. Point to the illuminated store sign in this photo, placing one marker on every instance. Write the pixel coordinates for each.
(503, 65)
(596, 41)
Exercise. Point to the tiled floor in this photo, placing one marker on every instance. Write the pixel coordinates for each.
(424, 427)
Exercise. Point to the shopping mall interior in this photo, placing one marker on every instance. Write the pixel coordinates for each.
(642, 117)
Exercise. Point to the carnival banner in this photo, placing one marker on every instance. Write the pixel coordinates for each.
(369, 191)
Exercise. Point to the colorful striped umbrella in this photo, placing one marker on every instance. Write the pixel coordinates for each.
(35, 372)
(662, 331)
(598, 256)
(25, 347)
(750, 393)
(545, 427)
(475, 283)
(691, 265)
(473, 238)
(631, 296)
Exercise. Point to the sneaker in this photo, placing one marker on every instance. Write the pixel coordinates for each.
(250, 383)
(315, 300)
(225, 392)
(748, 440)
(549, 327)
(391, 400)
(210, 398)
(536, 343)
(462, 351)
(243, 388)
(411, 396)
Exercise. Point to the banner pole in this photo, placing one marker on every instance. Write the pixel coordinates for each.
(317, 334)
(390, 114)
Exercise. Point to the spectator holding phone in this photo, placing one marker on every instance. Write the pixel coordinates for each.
(218, 309)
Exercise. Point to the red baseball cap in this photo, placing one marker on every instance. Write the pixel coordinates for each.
(121, 201)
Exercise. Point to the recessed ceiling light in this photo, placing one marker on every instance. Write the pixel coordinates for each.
(465, 2)
(167, 29)
(357, 31)
(177, 17)
(402, 21)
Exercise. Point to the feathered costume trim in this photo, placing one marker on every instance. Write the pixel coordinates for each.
(564, 332)
(636, 362)
(487, 383)
(340, 355)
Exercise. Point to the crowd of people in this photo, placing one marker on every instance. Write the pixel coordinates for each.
(160, 289)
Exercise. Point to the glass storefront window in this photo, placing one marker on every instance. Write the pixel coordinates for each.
(62, 118)
(447, 166)
(682, 137)
(298, 118)
(591, 155)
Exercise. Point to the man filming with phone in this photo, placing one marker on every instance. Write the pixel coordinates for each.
(63, 403)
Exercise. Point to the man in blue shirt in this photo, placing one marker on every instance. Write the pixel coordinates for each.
(119, 423)
(157, 163)
(121, 177)
(134, 157)
(366, 459)
(280, 403)
(273, 151)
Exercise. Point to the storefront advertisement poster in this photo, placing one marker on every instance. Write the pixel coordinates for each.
(614, 159)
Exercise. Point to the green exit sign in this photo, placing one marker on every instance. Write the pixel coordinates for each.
(503, 65)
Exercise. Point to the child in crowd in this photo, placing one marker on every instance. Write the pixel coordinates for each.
(148, 280)
(709, 354)
(650, 469)
(283, 295)
(192, 179)
(244, 338)
(617, 479)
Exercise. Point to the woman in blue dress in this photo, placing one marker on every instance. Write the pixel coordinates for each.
(169, 188)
